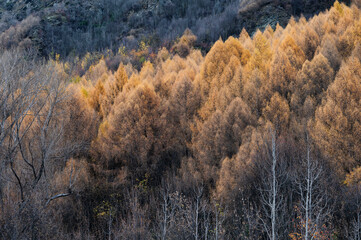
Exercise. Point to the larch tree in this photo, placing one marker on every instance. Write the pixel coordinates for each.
(329, 50)
(261, 55)
(215, 64)
(282, 74)
(310, 42)
(221, 136)
(236, 118)
(121, 78)
(186, 42)
(255, 91)
(208, 146)
(97, 95)
(294, 53)
(337, 122)
(223, 90)
(180, 112)
(132, 136)
(277, 112)
(312, 82)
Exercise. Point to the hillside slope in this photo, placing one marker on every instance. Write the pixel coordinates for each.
(76, 26)
(259, 138)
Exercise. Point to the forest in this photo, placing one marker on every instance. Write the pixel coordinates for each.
(258, 137)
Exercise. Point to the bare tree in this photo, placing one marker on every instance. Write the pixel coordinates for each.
(192, 212)
(135, 226)
(219, 211)
(181, 217)
(273, 177)
(198, 198)
(32, 122)
(206, 215)
(167, 210)
(314, 197)
(354, 230)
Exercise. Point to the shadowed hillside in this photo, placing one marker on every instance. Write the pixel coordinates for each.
(76, 26)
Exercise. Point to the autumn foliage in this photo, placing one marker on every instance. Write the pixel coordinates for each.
(190, 133)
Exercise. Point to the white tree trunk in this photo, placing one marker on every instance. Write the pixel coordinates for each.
(274, 190)
(308, 194)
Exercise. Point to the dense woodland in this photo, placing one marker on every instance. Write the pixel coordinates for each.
(259, 138)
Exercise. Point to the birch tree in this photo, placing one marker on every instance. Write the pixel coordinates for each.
(315, 204)
(273, 177)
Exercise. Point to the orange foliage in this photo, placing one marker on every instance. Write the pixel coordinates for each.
(337, 124)
(208, 104)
